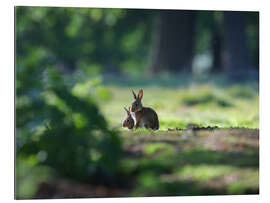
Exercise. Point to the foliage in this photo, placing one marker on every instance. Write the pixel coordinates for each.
(112, 40)
(57, 129)
(106, 39)
(75, 69)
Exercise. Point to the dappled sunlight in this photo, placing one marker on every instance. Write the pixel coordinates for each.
(202, 104)
(75, 72)
(209, 162)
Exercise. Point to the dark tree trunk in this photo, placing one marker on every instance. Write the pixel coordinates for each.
(216, 44)
(173, 41)
(235, 57)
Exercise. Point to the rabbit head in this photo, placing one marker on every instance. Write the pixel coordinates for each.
(137, 103)
(128, 122)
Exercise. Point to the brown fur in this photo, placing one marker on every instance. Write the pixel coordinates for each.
(145, 116)
(128, 122)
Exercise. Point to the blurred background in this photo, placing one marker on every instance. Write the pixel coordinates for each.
(75, 68)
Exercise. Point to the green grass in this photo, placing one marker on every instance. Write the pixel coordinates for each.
(178, 162)
(204, 172)
(203, 103)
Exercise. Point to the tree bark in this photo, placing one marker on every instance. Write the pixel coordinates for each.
(216, 46)
(173, 46)
(235, 57)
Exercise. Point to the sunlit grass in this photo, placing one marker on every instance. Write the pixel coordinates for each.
(202, 104)
(29, 176)
(163, 149)
(204, 172)
(169, 162)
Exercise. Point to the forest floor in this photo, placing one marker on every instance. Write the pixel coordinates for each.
(194, 161)
(180, 101)
(176, 163)
(183, 157)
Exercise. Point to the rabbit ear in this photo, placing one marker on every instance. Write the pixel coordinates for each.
(127, 110)
(140, 94)
(134, 95)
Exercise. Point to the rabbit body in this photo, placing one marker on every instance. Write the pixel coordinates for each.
(129, 121)
(147, 118)
(144, 116)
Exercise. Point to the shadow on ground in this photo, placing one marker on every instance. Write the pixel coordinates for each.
(177, 163)
(194, 162)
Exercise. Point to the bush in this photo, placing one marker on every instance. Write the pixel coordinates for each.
(61, 131)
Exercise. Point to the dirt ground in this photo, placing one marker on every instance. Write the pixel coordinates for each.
(196, 161)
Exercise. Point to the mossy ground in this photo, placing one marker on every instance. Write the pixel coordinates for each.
(179, 103)
(179, 159)
(188, 162)
(224, 160)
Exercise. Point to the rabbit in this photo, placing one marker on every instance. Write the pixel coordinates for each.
(128, 122)
(144, 116)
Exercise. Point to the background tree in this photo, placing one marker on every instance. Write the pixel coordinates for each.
(217, 41)
(174, 41)
(119, 41)
(236, 54)
(74, 71)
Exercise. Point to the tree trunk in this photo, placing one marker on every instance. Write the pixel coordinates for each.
(173, 46)
(235, 57)
(216, 45)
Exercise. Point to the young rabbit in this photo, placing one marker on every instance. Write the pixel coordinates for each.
(128, 122)
(144, 116)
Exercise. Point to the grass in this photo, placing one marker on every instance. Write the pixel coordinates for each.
(179, 163)
(185, 161)
(201, 103)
